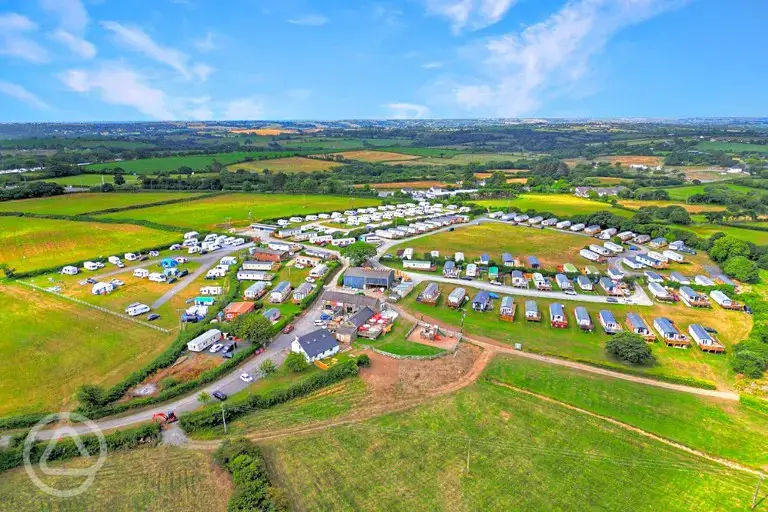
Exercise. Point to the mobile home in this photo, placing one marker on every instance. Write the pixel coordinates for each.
(705, 340)
(703, 281)
(204, 341)
(599, 249)
(674, 256)
(557, 316)
(519, 280)
(693, 298)
(608, 321)
(471, 270)
(590, 255)
(592, 230)
(532, 311)
(653, 277)
(457, 297)
(637, 325)
(563, 224)
(583, 319)
(430, 294)
(723, 300)
(563, 282)
(482, 301)
(669, 333)
(679, 278)
(507, 309)
(660, 293)
(615, 248)
(584, 283)
(280, 292)
(256, 290)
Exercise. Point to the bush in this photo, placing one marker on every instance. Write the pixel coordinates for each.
(363, 361)
(748, 363)
(267, 367)
(742, 268)
(253, 491)
(629, 347)
(296, 362)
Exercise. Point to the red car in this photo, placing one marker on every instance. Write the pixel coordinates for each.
(287, 329)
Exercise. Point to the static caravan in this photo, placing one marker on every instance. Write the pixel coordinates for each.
(280, 292)
(591, 270)
(658, 256)
(535, 220)
(157, 277)
(679, 278)
(658, 243)
(570, 268)
(583, 319)
(608, 233)
(228, 260)
(584, 283)
(458, 257)
(626, 235)
(557, 316)
(577, 227)
(342, 242)
(430, 294)
(669, 333)
(258, 265)
(615, 274)
(205, 340)
(204, 301)
(653, 277)
(450, 269)
(703, 281)
(507, 309)
(590, 255)
(608, 321)
(216, 273)
(137, 309)
(609, 286)
(471, 270)
(254, 275)
(549, 222)
(660, 293)
(493, 273)
(677, 245)
(563, 224)
(599, 249)
(637, 325)
(674, 256)
(256, 290)
(642, 239)
(615, 248)
(541, 282)
(705, 340)
(485, 259)
(723, 300)
(532, 313)
(507, 260)
(521, 218)
(302, 292)
(408, 253)
(418, 265)
(318, 271)
(457, 297)
(649, 261)
(211, 290)
(592, 230)
(272, 314)
(693, 298)
(632, 263)
(533, 262)
(519, 280)
(191, 234)
(69, 270)
(563, 282)
(482, 301)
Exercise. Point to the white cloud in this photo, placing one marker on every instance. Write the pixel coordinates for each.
(207, 43)
(244, 108)
(22, 94)
(407, 110)
(72, 14)
(119, 85)
(76, 44)
(547, 58)
(311, 20)
(136, 39)
(15, 43)
(470, 14)
(432, 65)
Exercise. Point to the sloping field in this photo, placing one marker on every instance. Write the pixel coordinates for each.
(750, 235)
(29, 243)
(77, 204)
(683, 193)
(90, 180)
(691, 208)
(732, 147)
(239, 209)
(172, 163)
(407, 184)
(289, 164)
(376, 156)
(144, 479)
(491, 448)
(50, 346)
(564, 205)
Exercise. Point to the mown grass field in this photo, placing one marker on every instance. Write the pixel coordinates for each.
(144, 479)
(406, 184)
(289, 164)
(636, 204)
(564, 205)
(718, 427)
(551, 247)
(333, 143)
(240, 209)
(51, 346)
(750, 235)
(524, 454)
(172, 163)
(573, 343)
(683, 193)
(376, 156)
(31, 243)
(732, 147)
(51, 142)
(90, 180)
(78, 204)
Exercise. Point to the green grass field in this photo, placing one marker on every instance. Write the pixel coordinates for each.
(78, 204)
(749, 235)
(395, 342)
(51, 346)
(333, 143)
(524, 454)
(52, 142)
(732, 147)
(718, 427)
(683, 193)
(552, 247)
(172, 163)
(289, 164)
(144, 479)
(240, 209)
(573, 343)
(636, 204)
(90, 180)
(564, 205)
(31, 243)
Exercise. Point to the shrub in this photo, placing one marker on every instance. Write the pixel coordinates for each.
(363, 361)
(629, 347)
(253, 491)
(296, 362)
(268, 367)
(748, 363)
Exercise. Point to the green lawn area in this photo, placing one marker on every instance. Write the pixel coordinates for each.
(749, 235)
(51, 346)
(31, 243)
(564, 205)
(240, 209)
(145, 479)
(78, 204)
(524, 454)
(289, 164)
(732, 147)
(718, 427)
(572, 343)
(333, 143)
(683, 193)
(90, 180)
(636, 204)
(394, 342)
(172, 163)
(551, 247)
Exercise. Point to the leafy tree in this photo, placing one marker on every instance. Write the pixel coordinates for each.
(119, 180)
(296, 362)
(252, 327)
(727, 247)
(358, 252)
(203, 397)
(91, 395)
(267, 367)
(741, 268)
(363, 361)
(107, 187)
(748, 363)
(629, 347)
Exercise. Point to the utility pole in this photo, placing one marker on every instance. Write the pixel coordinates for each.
(223, 418)
(755, 502)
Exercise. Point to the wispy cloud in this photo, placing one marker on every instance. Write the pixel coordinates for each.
(310, 20)
(470, 14)
(72, 14)
(207, 43)
(22, 94)
(244, 108)
(432, 65)
(546, 59)
(76, 44)
(15, 40)
(136, 39)
(407, 110)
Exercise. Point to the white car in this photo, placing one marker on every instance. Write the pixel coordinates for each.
(299, 266)
(246, 378)
(310, 279)
(154, 253)
(216, 348)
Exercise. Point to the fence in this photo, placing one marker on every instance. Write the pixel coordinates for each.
(99, 308)
(447, 351)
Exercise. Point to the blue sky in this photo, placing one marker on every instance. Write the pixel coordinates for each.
(92, 60)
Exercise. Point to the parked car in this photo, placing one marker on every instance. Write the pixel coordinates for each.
(153, 317)
(227, 355)
(154, 253)
(495, 282)
(310, 279)
(570, 292)
(246, 378)
(710, 330)
(183, 272)
(325, 316)
(612, 300)
(215, 348)
(219, 395)
(748, 310)
(288, 329)
(171, 279)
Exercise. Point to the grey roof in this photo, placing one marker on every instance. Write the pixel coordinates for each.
(606, 283)
(303, 288)
(262, 250)
(607, 317)
(531, 306)
(507, 302)
(517, 273)
(556, 309)
(360, 317)
(582, 314)
(457, 294)
(317, 342)
(636, 321)
(690, 292)
(505, 256)
(257, 287)
(281, 286)
(583, 280)
(431, 289)
(533, 260)
(666, 326)
(481, 297)
(700, 332)
(677, 276)
(449, 265)
(350, 298)
(269, 313)
(368, 273)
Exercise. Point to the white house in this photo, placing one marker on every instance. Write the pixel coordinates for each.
(674, 256)
(616, 248)
(632, 263)
(590, 255)
(315, 345)
(703, 281)
(256, 290)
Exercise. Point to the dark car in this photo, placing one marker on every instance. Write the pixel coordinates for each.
(748, 310)
(228, 348)
(219, 395)
(182, 273)
(153, 316)
(710, 330)
(227, 355)
(612, 300)
(171, 280)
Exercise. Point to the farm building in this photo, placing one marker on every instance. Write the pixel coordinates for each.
(519, 280)
(211, 290)
(673, 256)
(705, 340)
(615, 274)
(679, 278)
(430, 294)
(608, 321)
(280, 292)
(254, 275)
(642, 239)
(532, 313)
(481, 301)
(541, 282)
(658, 243)
(272, 314)
(315, 345)
(418, 265)
(450, 269)
(615, 248)
(301, 292)
(318, 271)
(637, 325)
(703, 281)
(258, 265)
(584, 283)
(632, 263)
(590, 255)
(507, 308)
(507, 260)
(592, 230)
(583, 319)
(610, 287)
(457, 297)
(563, 282)
(533, 262)
(256, 290)
(669, 333)
(660, 293)
(70, 270)
(363, 278)
(347, 302)
(102, 288)
(653, 277)
(557, 316)
(570, 268)
(261, 254)
(235, 309)
(204, 341)
(693, 298)
(723, 300)
(347, 331)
